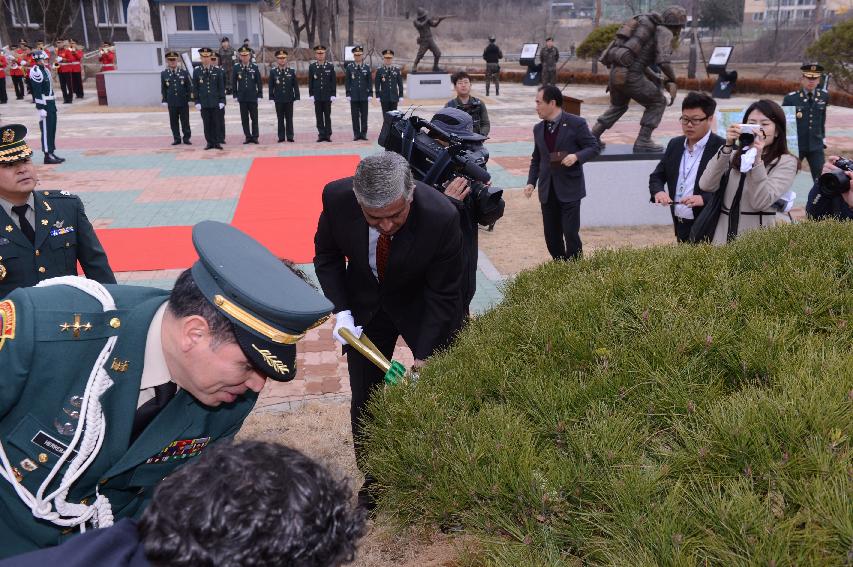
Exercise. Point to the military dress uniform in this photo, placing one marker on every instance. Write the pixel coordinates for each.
(322, 86)
(811, 120)
(359, 89)
(248, 87)
(549, 57)
(209, 87)
(176, 86)
(220, 132)
(45, 100)
(284, 89)
(54, 348)
(388, 85)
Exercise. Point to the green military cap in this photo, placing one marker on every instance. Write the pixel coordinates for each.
(281, 53)
(812, 70)
(245, 50)
(173, 56)
(39, 54)
(13, 148)
(205, 52)
(320, 49)
(270, 307)
(388, 53)
(358, 49)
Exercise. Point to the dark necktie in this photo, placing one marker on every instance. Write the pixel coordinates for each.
(383, 246)
(26, 227)
(149, 410)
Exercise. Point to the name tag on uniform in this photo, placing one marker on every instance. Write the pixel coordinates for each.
(50, 444)
(61, 231)
(182, 449)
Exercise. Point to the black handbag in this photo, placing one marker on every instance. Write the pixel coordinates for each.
(706, 223)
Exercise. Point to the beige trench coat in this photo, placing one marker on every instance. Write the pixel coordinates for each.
(761, 190)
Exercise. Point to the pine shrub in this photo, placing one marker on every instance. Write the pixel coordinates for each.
(665, 406)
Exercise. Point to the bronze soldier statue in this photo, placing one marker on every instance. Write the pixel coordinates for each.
(643, 42)
(424, 23)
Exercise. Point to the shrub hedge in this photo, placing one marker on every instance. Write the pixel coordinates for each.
(666, 406)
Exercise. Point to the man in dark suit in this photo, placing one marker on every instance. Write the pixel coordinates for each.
(684, 161)
(388, 254)
(562, 144)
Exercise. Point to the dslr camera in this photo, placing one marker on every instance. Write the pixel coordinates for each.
(437, 157)
(747, 134)
(834, 183)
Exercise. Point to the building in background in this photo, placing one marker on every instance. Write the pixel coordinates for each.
(197, 24)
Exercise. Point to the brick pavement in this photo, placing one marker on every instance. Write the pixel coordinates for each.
(121, 164)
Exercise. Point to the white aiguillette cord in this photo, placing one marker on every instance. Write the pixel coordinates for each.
(89, 436)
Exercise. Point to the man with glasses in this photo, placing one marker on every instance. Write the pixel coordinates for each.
(684, 161)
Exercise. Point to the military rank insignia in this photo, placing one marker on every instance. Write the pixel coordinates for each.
(182, 449)
(7, 320)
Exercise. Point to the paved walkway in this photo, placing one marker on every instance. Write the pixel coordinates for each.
(121, 164)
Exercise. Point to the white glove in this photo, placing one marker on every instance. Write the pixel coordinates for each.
(272, 101)
(344, 320)
(370, 98)
(333, 99)
(197, 106)
(43, 113)
(164, 104)
(235, 97)
(348, 99)
(311, 98)
(221, 105)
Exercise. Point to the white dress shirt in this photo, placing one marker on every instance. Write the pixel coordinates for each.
(30, 214)
(154, 369)
(688, 171)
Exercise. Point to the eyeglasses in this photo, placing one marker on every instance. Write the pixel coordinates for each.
(692, 121)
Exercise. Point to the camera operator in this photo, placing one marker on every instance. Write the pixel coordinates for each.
(831, 196)
(472, 211)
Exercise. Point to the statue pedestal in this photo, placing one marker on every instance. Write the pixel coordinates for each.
(429, 85)
(618, 195)
(136, 82)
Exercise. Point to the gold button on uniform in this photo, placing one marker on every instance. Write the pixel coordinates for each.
(38, 252)
(42, 458)
(42, 270)
(85, 502)
(115, 322)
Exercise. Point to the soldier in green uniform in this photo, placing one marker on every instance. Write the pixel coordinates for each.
(322, 90)
(810, 102)
(209, 87)
(176, 85)
(359, 89)
(226, 60)
(549, 57)
(388, 83)
(42, 90)
(108, 389)
(248, 87)
(470, 104)
(284, 89)
(492, 55)
(43, 234)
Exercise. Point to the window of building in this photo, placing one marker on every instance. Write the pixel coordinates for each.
(22, 15)
(758, 16)
(110, 12)
(191, 18)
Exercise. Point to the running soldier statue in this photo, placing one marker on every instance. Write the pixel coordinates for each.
(643, 44)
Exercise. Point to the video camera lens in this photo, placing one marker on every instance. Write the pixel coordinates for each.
(834, 183)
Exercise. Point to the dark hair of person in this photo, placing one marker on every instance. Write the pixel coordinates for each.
(459, 76)
(187, 300)
(701, 101)
(779, 146)
(251, 504)
(551, 92)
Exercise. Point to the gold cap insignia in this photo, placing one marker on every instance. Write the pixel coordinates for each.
(272, 360)
(8, 136)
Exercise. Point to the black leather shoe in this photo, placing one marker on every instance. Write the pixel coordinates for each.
(280, 140)
(255, 141)
(61, 159)
(218, 147)
(291, 140)
(50, 160)
(221, 141)
(357, 138)
(321, 139)
(247, 141)
(176, 143)
(209, 147)
(187, 142)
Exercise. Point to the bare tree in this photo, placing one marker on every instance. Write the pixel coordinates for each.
(350, 22)
(595, 24)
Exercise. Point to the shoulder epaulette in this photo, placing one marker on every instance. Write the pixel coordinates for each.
(791, 93)
(57, 194)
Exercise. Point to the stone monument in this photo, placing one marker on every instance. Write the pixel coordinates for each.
(139, 21)
(643, 44)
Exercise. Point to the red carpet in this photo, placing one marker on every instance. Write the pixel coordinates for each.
(279, 206)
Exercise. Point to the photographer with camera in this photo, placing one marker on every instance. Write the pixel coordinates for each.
(754, 168)
(831, 196)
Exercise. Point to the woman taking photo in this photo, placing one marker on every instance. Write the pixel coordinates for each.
(760, 170)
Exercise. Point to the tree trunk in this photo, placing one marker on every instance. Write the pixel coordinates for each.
(691, 63)
(350, 22)
(596, 22)
(309, 13)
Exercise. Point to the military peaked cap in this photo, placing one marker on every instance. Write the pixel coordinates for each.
(320, 49)
(812, 70)
(245, 50)
(358, 49)
(13, 148)
(172, 56)
(205, 52)
(281, 53)
(388, 52)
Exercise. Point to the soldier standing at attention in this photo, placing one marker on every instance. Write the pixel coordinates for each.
(284, 89)
(209, 87)
(470, 104)
(18, 68)
(810, 102)
(248, 87)
(76, 55)
(176, 87)
(43, 96)
(217, 63)
(493, 55)
(226, 61)
(44, 233)
(322, 89)
(359, 89)
(388, 83)
(549, 57)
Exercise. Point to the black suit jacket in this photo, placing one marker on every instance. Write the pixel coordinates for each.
(573, 137)
(421, 292)
(666, 172)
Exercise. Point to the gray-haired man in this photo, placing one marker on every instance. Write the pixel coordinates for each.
(403, 277)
